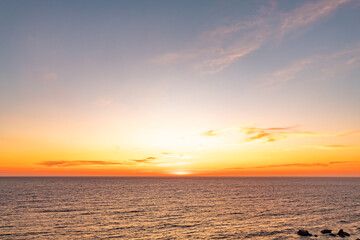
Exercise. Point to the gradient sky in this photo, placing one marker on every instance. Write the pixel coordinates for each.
(205, 88)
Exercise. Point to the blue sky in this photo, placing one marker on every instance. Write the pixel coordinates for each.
(118, 49)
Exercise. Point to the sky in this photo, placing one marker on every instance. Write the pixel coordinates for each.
(180, 88)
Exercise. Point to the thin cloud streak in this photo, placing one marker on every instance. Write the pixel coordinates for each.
(292, 165)
(273, 134)
(63, 163)
(308, 13)
(268, 134)
(216, 132)
(332, 147)
(72, 163)
(217, 49)
(352, 132)
(172, 164)
(145, 160)
(102, 101)
(288, 73)
(175, 155)
(50, 76)
(322, 65)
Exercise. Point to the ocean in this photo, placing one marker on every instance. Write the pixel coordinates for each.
(177, 208)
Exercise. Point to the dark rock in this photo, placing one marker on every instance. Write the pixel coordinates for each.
(341, 233)
(303, 232)
(315, 235)
(332, 234)
(325, 231)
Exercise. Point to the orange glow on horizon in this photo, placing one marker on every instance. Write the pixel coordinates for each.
(254, 152)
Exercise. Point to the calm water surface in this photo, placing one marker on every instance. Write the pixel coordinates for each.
(177, 208)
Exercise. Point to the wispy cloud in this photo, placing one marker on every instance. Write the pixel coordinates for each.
(103, 101)
(64, 163)
(175, 155)
(292, 165)
(51, 81)
(255, 133)
(49, 76)
(145, 160)
(288, 73)
(73, 163)
(11, 140)
(351, 132)
(332, 147)
(216, 49)
(308, 13)
(172, 164)
(322, 66)
(161, 163)
(217, 132)
(199, 148)
(272, 134)
(268, 134)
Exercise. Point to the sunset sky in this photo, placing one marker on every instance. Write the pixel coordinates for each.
(174, 88)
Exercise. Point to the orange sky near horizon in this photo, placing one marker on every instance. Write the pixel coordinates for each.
(236, 151)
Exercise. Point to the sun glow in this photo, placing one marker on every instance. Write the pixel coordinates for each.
(181, 173)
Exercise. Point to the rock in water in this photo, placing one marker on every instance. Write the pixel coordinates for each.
(325, 231)
(303, 232)
(341, 233)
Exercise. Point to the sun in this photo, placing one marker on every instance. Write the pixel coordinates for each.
(180, 173)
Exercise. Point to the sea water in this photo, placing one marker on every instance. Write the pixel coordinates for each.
(177, 208)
